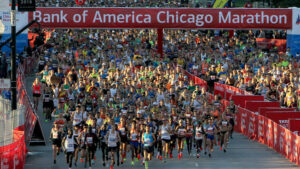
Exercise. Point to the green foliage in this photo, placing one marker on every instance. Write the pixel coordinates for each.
(286, 3)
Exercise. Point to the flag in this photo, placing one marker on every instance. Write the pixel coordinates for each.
(4, 5)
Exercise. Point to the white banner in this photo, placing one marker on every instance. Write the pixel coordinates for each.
(4, 83)
(21, 21)
(296, 22)
(4, 5)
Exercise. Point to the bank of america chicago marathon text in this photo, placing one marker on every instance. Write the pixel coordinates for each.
(161, 17)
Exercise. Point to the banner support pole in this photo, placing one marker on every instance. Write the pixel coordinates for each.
(13, 74)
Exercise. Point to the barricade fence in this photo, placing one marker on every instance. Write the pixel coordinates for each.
(17, 126)
(258, 127)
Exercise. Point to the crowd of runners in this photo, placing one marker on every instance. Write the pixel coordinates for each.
(109, 90)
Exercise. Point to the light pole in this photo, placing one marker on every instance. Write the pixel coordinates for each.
(13, 74)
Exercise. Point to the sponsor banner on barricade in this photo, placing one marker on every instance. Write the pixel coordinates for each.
(294, 125)
(219, 89)
(237, 122)
(297, 156)
(253, 124)
(261, 129)
(269, 133)
(12, 156)
(282, 118)
(244, 120)
(163, 18)
(262, 110)
(288, 144)
(276, 137)
(294, 148)
(240, 100)
(282, 140)
(255, 105)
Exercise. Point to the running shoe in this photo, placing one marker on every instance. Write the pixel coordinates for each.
(157, 156)
(198, 155)
(81, 160)
(209, 155)
(221, 148)
(201, 148)
(138, 156)
(179, 156)
(103, 164)
(75, 164)
(205, 152)
(54, 161)
(224, 150)
(46, 120)
(171, 155)
(136, 159)
(124, 159)
(111, 167)
(160, 158)
(132, 163)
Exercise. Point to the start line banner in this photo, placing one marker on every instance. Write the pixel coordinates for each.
(163, 18)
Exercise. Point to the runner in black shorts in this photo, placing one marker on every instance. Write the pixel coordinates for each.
(56, 137)
(124, 140)
(148, 139)
(112, 139)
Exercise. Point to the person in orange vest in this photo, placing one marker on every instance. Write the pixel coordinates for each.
(36, 89)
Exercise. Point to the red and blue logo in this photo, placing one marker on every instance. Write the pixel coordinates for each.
(298, 20)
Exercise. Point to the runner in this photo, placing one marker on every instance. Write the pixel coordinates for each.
(134, 133)
(69, 142)
(199, 132)
(81, 141)
(148, 139)
(91, 145)
(180, 130)
(189, 135)
(112, 138)
(76, 134)
(48, 104)
(124, 140)
(56, 137)
(36, 89)
(225, 127)
(165, 130)
(231, 113)
(210, 131)
(104, 149)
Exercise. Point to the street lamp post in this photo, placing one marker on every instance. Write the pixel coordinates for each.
(13, 75)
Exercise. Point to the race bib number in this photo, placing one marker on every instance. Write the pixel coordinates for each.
(55, 135)
(89, 140)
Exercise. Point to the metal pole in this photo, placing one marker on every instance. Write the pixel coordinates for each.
(13, 75)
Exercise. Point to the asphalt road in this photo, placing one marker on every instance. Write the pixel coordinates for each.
(241, 153)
